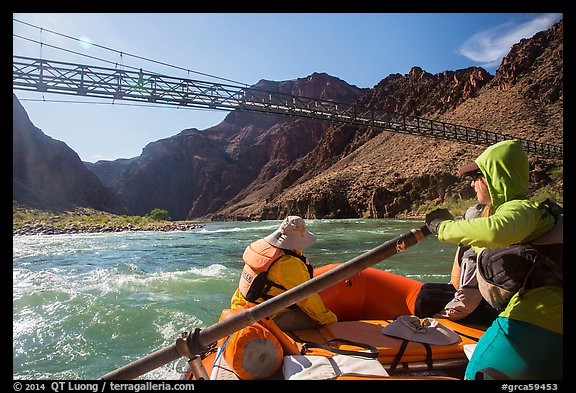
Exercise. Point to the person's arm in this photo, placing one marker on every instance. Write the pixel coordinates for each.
(467, 296)
(465, 301)
(511, 223)
(290, 272)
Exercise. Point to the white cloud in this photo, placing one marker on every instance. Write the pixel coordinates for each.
(490, 46)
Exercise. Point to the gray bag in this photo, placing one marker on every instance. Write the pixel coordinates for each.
(504, 271)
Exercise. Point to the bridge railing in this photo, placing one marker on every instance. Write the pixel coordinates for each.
(93, 81)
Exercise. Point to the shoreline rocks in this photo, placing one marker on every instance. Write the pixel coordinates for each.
(43, 229)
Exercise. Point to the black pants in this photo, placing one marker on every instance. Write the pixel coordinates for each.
(433, 297)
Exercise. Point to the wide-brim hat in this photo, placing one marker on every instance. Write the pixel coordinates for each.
(291, 235)
(427, 330)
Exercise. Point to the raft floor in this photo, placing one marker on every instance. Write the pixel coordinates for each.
(448, 361)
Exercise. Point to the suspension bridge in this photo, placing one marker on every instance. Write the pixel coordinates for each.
(52, 76)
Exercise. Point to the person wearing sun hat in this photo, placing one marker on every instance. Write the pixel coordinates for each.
(291, 235)
(275, 264)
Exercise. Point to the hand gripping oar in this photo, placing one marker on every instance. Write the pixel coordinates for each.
(196, 342)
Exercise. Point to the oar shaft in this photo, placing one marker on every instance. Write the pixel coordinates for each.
(202, 338)
(143, 365)
(315, 285)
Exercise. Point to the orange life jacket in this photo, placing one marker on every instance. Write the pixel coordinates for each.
(455, 274)
(258, 258)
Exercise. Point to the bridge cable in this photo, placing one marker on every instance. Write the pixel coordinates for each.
(75, 52)
(127, 54)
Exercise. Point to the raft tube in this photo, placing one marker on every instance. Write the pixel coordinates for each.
(370, 294)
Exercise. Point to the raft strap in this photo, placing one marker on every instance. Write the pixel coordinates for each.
(468, 336)
(401, 351)
(372, 354)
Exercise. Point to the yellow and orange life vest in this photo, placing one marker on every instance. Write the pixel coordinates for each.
(258, 258)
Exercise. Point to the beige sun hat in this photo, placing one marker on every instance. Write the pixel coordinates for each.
(428, 330)
(291, 235)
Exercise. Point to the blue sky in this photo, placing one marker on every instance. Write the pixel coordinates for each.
(359, 48)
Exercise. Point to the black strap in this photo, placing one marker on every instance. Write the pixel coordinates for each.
(399, 355)
(402, 349)
(429, 360)
(269, 284)
(373, 354)
(467, 336)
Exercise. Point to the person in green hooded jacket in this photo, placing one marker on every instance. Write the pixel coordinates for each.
(526, 339)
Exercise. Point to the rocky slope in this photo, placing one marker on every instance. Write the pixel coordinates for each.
(195, 173)
(381, 174)
(47, 174)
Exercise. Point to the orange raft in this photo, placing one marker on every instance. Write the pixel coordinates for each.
(364, 304)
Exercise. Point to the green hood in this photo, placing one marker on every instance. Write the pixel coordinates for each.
(506, 169)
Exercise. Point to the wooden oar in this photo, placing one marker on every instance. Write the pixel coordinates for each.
(194, 343)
